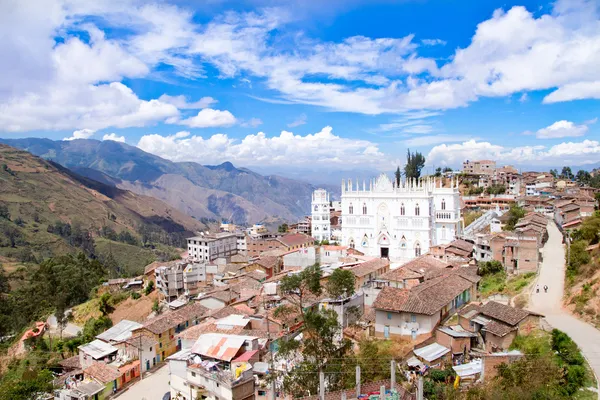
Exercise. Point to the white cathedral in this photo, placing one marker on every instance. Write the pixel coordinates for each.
(400, 222)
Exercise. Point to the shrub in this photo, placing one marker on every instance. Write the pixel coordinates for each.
(135, 295)
(490, 268)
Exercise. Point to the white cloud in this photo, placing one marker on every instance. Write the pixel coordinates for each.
(251, 123)
(567, 153)
(574, 91)
(208, 118)
(182, 103)
(322, 148)
(524, 97)
(301, 120)
(430, 140)
(114, 137)
(433, 42)
(81, 134)
(419, 128)
(561, 129)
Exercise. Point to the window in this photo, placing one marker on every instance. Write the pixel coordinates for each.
(402, 210)
(351, 209)
(389, 315)
(193, 374)
(316, 208)
(443, 204)
(150, 348)
(417, 249)
(159, 335)
(443, 231)
(364, 209)
(413, 318)
(417, 210)
(160, 345)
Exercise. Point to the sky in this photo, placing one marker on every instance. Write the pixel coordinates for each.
(302, 85)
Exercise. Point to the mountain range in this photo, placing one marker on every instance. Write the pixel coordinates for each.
(221, 192)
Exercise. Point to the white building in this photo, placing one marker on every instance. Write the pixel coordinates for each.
(399, 222)
(321, 222)
(205, 248)
(179, 279)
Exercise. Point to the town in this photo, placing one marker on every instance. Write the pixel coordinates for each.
(396, 284)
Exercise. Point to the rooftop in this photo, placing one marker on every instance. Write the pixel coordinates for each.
(102, 372)
(220, 346)
(431, 352)
(98, 349)
(119, 332)
(171, 319)
(295, 239)
(504, 313)
(368, 267)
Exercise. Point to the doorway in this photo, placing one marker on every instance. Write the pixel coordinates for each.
(384, 252)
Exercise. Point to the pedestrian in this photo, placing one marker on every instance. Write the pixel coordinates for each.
(546, 288)
(537, 289)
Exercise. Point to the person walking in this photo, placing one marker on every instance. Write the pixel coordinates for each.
(546, 288)
(537, 289)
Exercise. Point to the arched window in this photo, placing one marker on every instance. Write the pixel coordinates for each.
(364, 208)
(417, 211)
(351, 243)
(443, 232)
(402, 210)
(351, 209)
(417, 249)
(443, 204)
(316, 208)
(365, 241)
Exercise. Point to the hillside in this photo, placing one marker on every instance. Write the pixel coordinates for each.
(213, 192)
(38, 194)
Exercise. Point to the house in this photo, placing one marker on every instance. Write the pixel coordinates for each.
(433, 355)
(518, 254)
(106, 375)
(329, 254)
(348, 309)
(218, 298)
(164, 327)
(369, 270)
(300, 258)
(457, 339)
(270, 265)
(416, 271)
(287, 242)
(142, 347)
(456, 248)
(208, 247)
(497, 323)
(96, 351)
(418, 311)
(179, 279)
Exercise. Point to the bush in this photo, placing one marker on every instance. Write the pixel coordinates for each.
(490, 268)
(149, 288)
(135, 295)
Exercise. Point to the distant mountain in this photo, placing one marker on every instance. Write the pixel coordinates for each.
(213, 192)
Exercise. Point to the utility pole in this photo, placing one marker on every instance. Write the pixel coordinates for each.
(322, 385)
(358, 381)
(393, 374)
(140, 357)
(420, 387)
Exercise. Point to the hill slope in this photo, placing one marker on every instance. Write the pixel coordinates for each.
(216, 192)
(39, 193)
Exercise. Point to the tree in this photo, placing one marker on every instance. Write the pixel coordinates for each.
(105, 304)
(398, 175)
(515, 213)
(489, 268)
(554, 173)
(438, 172)
(583, 177)
(566, 173)
(578, 256)
(414, 164)
(447, 169)
(590, 229)
(283, 228)
(341, 284)
(4, 212)
(149, 288)
(156, 306)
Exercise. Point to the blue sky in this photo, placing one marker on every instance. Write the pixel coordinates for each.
(335, 86)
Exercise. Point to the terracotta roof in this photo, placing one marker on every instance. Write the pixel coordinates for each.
(399, 274)
(466, 311)
(295, 239)
(267, 261)
(171, 319)
(570, 207)
(152, 266)
(368, 267)
(332, 247)
(70, 363)
(239, 258)
(507, 314)
(103, 372)
(226, 295)
(243, 308)
(141, 341)
(226, 311)
(462, 244)
(428, 266)
(426, 298)
(498, 328)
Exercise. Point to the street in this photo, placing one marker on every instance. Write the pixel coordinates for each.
(552, 273)
(153, 387)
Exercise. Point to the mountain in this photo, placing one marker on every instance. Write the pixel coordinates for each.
(39, 193)
(213, 192)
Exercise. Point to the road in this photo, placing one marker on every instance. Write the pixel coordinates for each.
(552, 273)
(153, 387)
(70, 329)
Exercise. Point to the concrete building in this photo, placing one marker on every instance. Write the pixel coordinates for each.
(180, 279)
(399, 222)
(481, 167)
(321, 224)
(206, 248)
(518, 254)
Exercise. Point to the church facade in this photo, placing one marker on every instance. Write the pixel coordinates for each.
(399, 222)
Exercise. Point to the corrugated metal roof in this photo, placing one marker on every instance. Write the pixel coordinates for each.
(431, 352)
(119, 332)
(220, 346)
(456, 333)
(98, 349)
(472, 368)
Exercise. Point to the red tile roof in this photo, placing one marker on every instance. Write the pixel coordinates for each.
(369, 267)
(103, 372)
(295, 239)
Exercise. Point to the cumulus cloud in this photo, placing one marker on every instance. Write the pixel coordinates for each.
(251, 123)
(433, 42)
(322, 148)
(81, 134)
(561, 129)
(574, 153)
(114, 137)
(208, 118)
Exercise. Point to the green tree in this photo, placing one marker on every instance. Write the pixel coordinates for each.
(489, 268)
(447, 169)
(414, 164)
(583, 177)
(283, 228)
(149, 288)
(438, 172)
(590, 229)
(156, 306)
(566, 173)
(515, 213)
(4, 212)
(578, 256)
(398, 175)
(554, 173)
(105, 304)
(341, 284)
(29, 386)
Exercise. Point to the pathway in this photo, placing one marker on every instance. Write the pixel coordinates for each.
(552, 273)
(153, 387)
(70, 330)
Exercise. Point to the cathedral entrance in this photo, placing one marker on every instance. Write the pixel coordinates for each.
(384, 252)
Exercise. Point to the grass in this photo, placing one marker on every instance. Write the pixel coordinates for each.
(132, 259)
(471, 216)
(499, 283)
